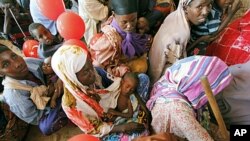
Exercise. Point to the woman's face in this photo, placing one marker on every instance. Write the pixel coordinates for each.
(13, 65)
(86, 75)
(127, 22)
(197, 11)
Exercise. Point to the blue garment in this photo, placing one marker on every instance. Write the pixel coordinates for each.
(105, 80)
(49, 120)
(45, 51)
(38, 17)
(19, 100)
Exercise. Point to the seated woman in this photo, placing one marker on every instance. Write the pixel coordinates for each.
(221, 14)
(169, 43)
(178, 98)
(84, 95)
(233, 100)
(119, 43)
(28, 72)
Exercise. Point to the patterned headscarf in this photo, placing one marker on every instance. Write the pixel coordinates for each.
(85, 112)
(182, 80)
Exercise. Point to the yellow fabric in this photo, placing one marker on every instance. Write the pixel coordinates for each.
(139, 64)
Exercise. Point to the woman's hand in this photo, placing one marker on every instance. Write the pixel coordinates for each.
(93, 95)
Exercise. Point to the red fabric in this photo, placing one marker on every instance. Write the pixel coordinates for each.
(233, 44)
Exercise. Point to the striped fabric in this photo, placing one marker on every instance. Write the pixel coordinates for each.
(182, 80)
(210, 26)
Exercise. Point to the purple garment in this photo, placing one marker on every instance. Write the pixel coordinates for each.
(54, 120)
(133, 44)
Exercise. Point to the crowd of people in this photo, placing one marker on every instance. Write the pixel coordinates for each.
(139, 77)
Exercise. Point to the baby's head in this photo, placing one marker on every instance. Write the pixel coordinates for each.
(41, 33)
(142, 25)
(129, 83)
(47, 69)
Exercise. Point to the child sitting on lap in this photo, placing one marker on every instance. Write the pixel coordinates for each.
(50, 78)
(127, 99)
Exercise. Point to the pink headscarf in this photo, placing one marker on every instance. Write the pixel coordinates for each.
(182, 82)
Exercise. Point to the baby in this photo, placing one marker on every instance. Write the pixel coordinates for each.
(48, 44)
(128, 87)
(50, 78)
(142, 25)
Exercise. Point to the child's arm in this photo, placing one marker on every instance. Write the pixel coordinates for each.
(129, 114)
(229, 13)
(145, 109)
(206, 38)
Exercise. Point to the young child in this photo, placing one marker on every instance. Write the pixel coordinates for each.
(48, 43)
(142, 25)
(128, 86)
(221, 13)
(50, 78)
(128, 101)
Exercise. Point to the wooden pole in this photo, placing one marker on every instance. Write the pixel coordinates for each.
(215, 107)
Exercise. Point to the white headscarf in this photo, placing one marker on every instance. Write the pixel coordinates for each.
(170, 42)
(67, 61)
(80, 108)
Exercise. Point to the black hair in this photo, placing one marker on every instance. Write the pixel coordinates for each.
(34, 26)
(131, 75)
(3, 48)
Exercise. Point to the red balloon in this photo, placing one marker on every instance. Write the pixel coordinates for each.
(76, 42)
(30, 48)
(83, 137)
(51, 8)
(70, 25)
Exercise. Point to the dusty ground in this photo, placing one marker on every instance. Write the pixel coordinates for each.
(62, 135)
